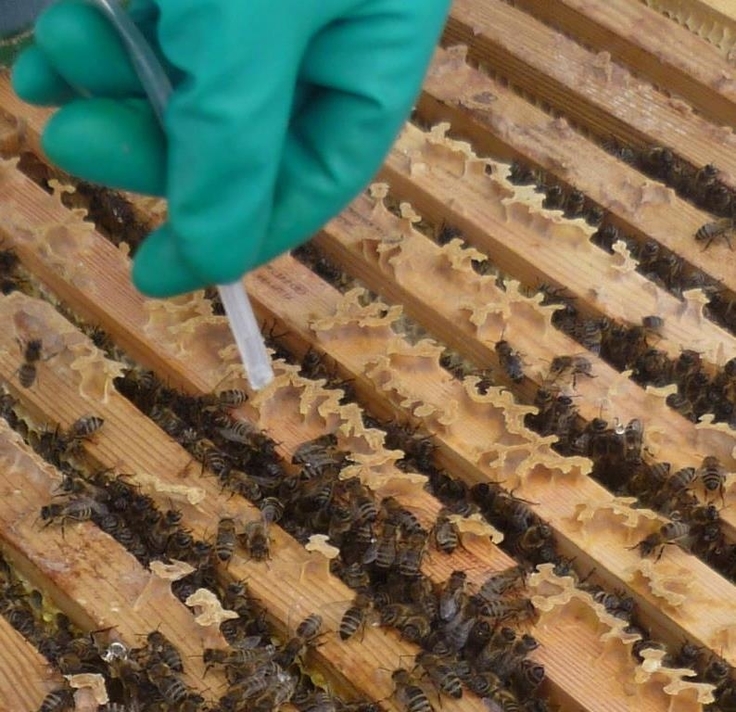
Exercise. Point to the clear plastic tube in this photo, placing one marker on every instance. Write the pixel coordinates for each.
(158, 90)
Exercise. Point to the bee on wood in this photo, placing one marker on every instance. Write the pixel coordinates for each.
(711, 231)
(591, 334)
(165, 650)
(510, 361)
(250, 655)
(527, 678)
(484, 683)
(447, 233)
(652, 324)
(575, 204)
(682, 405)
(595, 215)
(272, 509)
(452, 597)
(606, 236)
(212, 458)
(554, 198)
(75, 510)
(59, 700)
(410, 553)
(571, 367)
(320, 456)
(229, 398)
(617, 603)
(255, 539)
(717, 671)
(671, 533)
(653, 367)
(355, 617)
(633, 440)
(309, 628)
(179, 545)
(167, 682)
(681, 480)
(225, 539)
(172, 424)
(305, 637)
(445, 533)
(515, 611)
(85, 427)
(412, 623)
(713, 475)
(441, 673)
(28, 370)
(402, 517)
(408, 694)
(522, 174)
(502, 582)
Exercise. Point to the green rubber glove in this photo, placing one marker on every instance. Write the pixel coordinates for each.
(282, 112)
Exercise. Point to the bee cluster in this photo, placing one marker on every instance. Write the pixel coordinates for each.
(382, 547)
(619, 463)
(667, 269)
(700, 390)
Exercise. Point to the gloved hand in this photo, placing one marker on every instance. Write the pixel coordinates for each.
(282, 111)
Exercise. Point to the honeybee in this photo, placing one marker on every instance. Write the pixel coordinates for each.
(501, 582)
(410, 553)
(229, 398)
(167, 682)
(408, 694)
(675, 532)
(441, 673)
(681, 480)
(85, 427)
(520, 610)
(396, 514)
(606, 237)
(171, 424)
(250, 656)
(483, 683)
(272, 509)
(711, 231)
(510, 361)
(225, 539)
(306, 635)
(652, 324)
(59, 700)
(617, 603)
(27, 371)
(590, 334)
(255, 539)
(355, 617)
(527, 677)
(452, 597)
(554, 198)
(571, 367)
(445, 533)
(320, 456)
(165, 650)
(309, 628)
(411, 622)
(575, 204)
(211, 457)
(713, 475)
(521, 173)
(81, 509)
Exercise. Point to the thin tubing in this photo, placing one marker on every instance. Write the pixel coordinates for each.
(233, 296)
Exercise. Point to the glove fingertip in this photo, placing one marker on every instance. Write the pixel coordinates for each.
(34, 80)
(158, 269)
